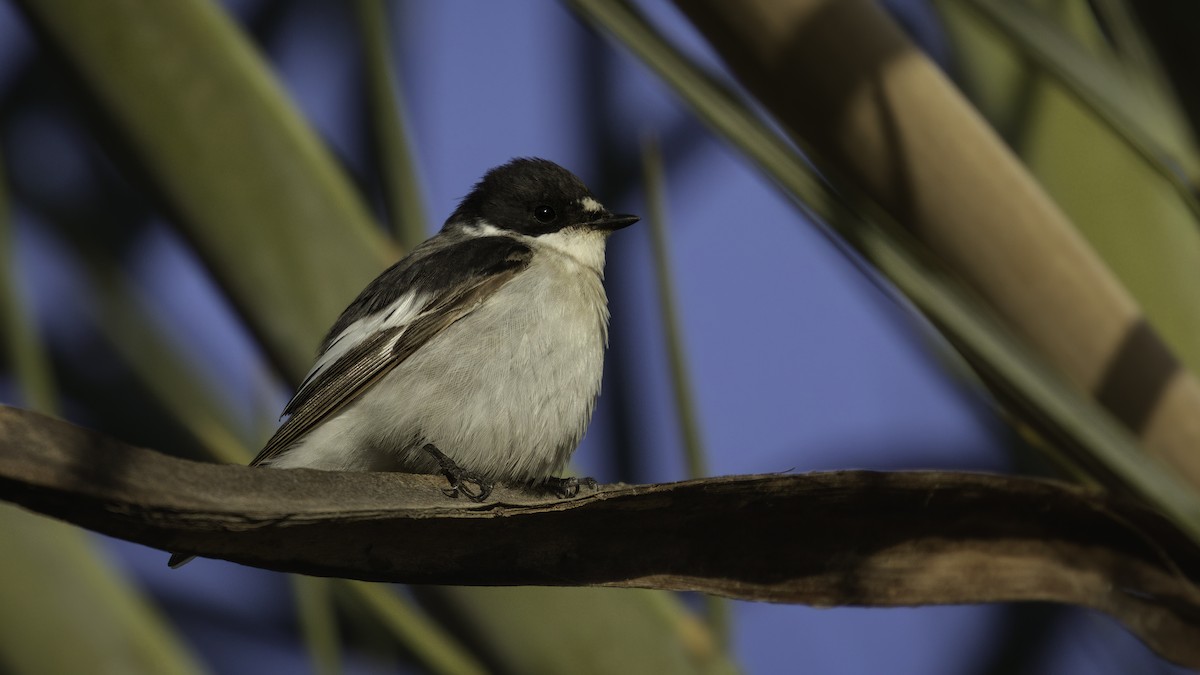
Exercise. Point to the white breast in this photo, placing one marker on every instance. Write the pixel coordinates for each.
(506, 392)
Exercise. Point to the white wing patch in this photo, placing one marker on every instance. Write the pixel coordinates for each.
(590, 205)
(399, 313)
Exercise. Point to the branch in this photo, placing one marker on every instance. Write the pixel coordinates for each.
(840, 538)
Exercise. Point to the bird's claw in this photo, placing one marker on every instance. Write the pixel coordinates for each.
(565, 488)
(459, 485)
(460, 479)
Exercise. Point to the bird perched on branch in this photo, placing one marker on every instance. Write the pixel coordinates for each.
(477, 356)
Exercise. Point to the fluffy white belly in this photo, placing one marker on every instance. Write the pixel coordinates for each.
(506, 392)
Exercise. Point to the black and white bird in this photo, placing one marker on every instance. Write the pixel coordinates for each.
(478, 355)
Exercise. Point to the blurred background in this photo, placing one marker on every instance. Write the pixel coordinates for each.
(125, 312)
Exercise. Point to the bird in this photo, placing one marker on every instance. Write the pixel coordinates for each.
(477, 356)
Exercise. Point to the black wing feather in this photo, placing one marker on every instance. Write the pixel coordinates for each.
(435, 268)
(481, 266)
(442, 262)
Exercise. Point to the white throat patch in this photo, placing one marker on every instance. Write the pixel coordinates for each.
(584, 246)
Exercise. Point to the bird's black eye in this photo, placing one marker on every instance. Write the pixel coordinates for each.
(544, 214)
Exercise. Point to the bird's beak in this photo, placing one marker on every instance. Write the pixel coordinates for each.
(609, 222)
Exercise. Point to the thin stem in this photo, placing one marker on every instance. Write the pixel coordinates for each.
(26, 354)
(318, 624)
(401, 187)
(695, 457)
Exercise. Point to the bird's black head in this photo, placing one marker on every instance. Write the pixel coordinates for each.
(534, 197)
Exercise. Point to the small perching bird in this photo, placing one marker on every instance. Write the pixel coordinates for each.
(478, 355)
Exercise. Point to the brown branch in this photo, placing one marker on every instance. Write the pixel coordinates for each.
(840, 538)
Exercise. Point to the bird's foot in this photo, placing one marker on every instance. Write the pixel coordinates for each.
(565, 488)
(460, 479)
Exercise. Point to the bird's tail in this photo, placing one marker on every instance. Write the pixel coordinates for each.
(179, 560)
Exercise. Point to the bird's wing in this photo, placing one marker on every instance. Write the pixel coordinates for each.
(483, 266)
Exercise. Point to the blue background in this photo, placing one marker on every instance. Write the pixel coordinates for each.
(799, 359)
